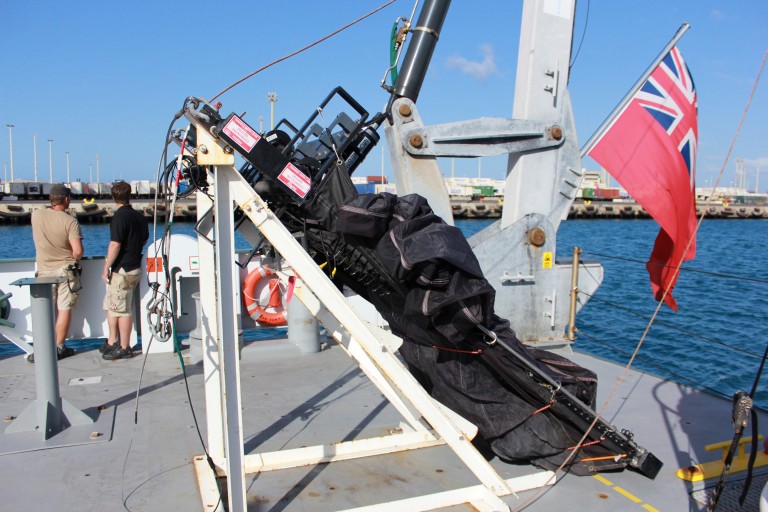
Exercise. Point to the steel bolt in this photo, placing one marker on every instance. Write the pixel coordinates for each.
(537, 237)
(416, 140)
(556, 132)
(203, 149)
(404, 110)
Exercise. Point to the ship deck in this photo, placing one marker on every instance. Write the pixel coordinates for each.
(292, 400)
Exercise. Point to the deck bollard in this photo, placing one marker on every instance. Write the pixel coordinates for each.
(303, 330)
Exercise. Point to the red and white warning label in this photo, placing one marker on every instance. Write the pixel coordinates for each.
(243, 135)
(295, 180)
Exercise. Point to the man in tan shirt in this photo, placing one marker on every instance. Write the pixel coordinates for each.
(58, 246)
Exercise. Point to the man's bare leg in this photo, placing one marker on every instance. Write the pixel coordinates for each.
(113, 328)
(126, 325)
(63, 319)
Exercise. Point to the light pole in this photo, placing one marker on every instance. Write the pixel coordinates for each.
(34, 148)
(68, 180)
(50, 159)
(272, 99)
(10, 134)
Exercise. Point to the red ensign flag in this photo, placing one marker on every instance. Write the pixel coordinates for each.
(650, 148)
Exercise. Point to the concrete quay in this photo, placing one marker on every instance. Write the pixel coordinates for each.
(19, 212)
(609, 210)
(92, 212)
(630, 210)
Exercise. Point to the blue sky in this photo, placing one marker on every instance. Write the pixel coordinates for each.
(106, 77)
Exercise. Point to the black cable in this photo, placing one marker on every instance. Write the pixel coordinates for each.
(162, 178)
(670, 326)
(682, 269)
(285, 57)
(660, 368)
(583, 34)
(753, 416)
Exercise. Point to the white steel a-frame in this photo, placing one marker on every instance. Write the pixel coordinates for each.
(429, 422)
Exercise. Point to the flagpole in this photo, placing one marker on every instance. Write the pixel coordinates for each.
(628, 97)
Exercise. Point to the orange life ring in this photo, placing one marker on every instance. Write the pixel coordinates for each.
(263, 282)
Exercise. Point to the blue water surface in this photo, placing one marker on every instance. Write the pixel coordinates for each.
(716, 339)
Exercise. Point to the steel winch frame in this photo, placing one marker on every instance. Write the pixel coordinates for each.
(533, 289)
(427, 423)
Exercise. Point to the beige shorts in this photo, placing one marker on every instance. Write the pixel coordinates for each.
(63, 295)
(119, 298)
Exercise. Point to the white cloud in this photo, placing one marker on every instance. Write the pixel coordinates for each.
(757, 162)
(479, 70)
(717, 15)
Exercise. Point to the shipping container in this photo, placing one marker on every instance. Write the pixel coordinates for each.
(34, 188)
(141, 188)
(16, 188)
(461, 191)
(483, 190)
(365, 188)
(606, 193)
(76, 188)
(386, 187)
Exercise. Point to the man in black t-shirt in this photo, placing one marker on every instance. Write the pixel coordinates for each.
(128, 233)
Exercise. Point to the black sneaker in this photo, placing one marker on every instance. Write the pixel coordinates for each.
(118, 353)
(64, 351)
(106, 347)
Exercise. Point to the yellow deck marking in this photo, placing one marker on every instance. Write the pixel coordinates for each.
(601, 479)
(627, 494)
(624, 493)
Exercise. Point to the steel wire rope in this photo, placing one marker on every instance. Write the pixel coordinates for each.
(300, 50)
(143, 365)
(666, 290)
(682, 269)
(726, 468)
(660, 368)
(670, 326)
(160, 248)
(620, 380)
(583, 35)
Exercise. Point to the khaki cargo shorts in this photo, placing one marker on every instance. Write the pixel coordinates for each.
(62, 293)
(119, 298)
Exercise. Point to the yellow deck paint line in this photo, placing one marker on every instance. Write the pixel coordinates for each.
(627, 494)
(624, 493)
(599, 478)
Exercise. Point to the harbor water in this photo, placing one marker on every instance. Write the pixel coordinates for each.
(714, 342)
